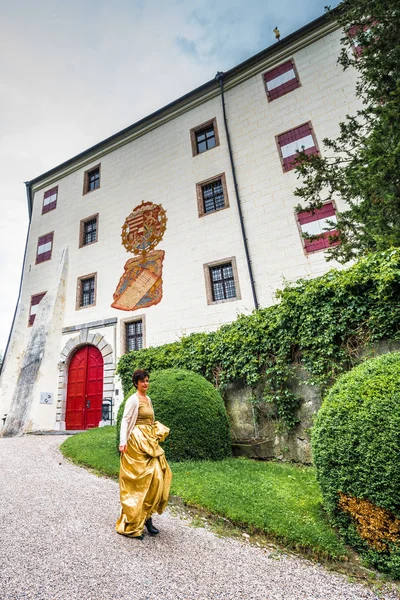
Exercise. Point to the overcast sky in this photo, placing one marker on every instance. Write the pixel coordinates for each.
(74, 72)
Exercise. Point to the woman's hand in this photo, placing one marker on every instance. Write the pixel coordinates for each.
(122, 448)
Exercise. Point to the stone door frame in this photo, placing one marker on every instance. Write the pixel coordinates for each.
(83, 339)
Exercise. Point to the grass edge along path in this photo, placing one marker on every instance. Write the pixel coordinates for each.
(279, 500)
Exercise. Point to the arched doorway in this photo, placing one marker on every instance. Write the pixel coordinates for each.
(85, 389)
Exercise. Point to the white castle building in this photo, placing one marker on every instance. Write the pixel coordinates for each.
(174, 225)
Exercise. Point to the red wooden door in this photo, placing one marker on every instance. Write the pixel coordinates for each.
(85, 389)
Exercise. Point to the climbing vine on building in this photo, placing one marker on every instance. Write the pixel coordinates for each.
(321, 324)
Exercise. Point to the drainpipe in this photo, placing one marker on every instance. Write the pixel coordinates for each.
(29, 199)
(220, 79)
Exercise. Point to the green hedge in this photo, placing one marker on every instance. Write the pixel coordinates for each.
(321, 323)
(193, 410)
(356, 450)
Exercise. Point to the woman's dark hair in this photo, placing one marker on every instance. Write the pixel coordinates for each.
(139, 375)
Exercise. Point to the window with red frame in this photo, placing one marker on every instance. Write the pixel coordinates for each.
(35, 301)
(50, 200)
(281, 80)
(294, 141)
(44, 247)
(314, 223)
(354, 33)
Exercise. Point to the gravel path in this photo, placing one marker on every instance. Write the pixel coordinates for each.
(57, 542)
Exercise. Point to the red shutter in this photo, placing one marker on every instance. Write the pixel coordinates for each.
(298, 133)
(322, 241)
(283, 88)
(326, 211)
(50, 205)
(353, 33)
(319, 243)
(34, 302)
(46, 255)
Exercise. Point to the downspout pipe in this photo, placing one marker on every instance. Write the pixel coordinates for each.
(29, 199)
(220, 79)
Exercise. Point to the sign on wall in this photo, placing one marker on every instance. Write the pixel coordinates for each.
(141, 284)
(46, 398)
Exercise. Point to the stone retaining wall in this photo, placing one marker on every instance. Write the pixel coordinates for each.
(255, 432)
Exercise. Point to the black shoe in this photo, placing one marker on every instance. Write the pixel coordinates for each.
(137, 537)
(150, 527)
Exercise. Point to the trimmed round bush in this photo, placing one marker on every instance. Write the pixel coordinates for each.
(356, 450)
(193, 410)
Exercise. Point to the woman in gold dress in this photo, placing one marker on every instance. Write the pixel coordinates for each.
(144, 476)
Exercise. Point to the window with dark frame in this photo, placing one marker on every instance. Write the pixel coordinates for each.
(133, 335)
(281, 80)
(222, 282)
(44, 247)
(314, 223)
(88, 287)
(91, 180)
(35, 301)
(213, 196)
(205, 139)
(50, 200)
(89, 231)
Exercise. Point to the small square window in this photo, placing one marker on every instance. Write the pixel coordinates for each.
(50, 200)
(44, 247)
(89, 231)
(222, 281)
(212, 195)
(86, 291)
(293, 141)
(133, 335)
(314, 223)
(35, 301)
(91, 180)
(281, 80)
(204, 137)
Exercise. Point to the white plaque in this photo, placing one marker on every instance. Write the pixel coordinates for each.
(46, 398)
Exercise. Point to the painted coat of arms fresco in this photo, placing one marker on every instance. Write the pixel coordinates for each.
(141, 284)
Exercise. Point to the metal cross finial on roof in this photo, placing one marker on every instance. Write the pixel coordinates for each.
(277, 33)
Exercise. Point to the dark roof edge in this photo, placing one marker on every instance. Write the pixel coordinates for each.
(192, 94)
(29, 201)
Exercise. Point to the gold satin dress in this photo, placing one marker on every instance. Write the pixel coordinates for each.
(144, 475)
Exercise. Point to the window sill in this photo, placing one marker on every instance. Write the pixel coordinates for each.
(224, 301)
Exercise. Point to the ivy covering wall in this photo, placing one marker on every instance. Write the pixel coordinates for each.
(320, 323)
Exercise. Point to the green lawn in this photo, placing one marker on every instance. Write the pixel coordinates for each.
(279, 499)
